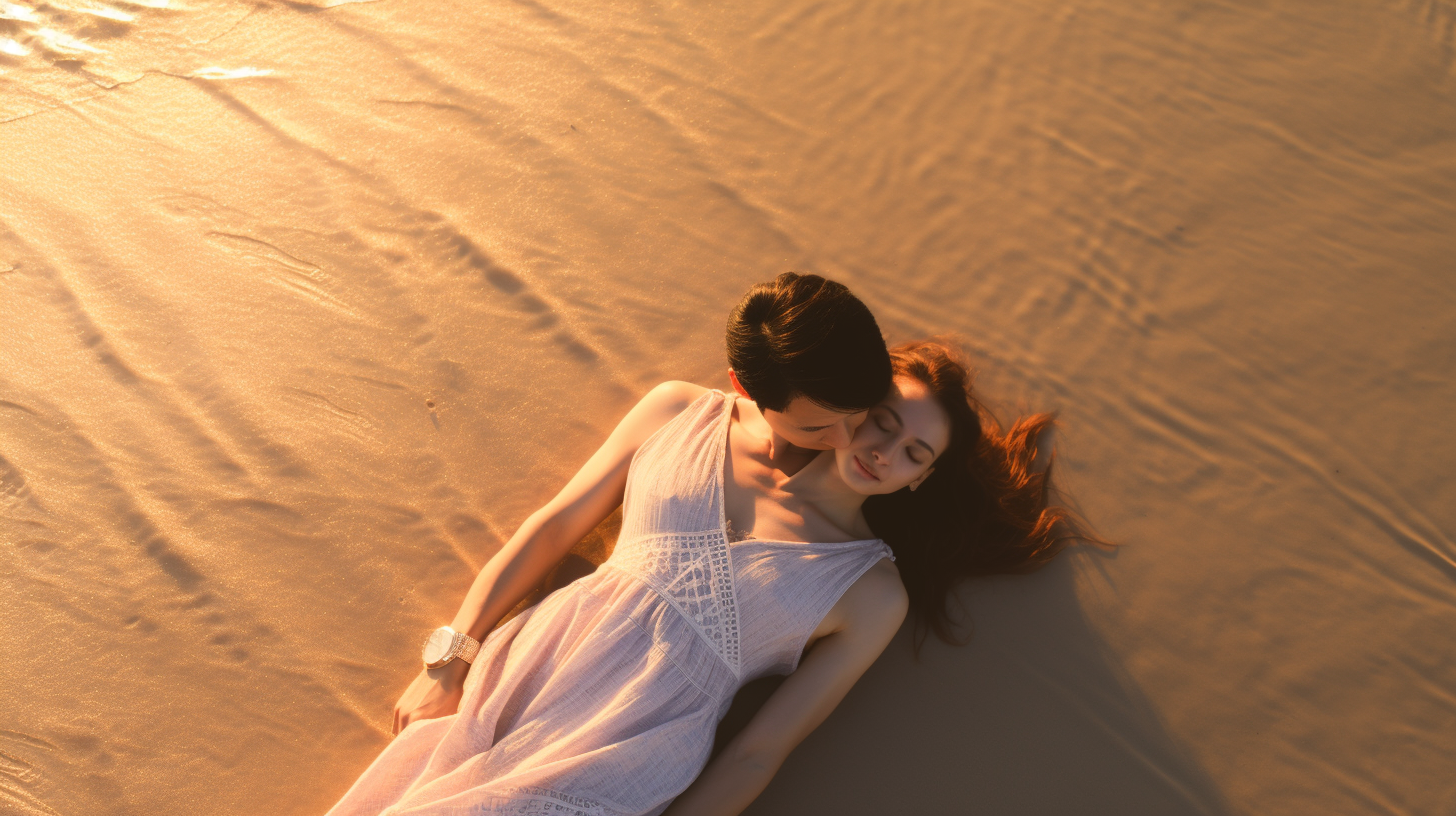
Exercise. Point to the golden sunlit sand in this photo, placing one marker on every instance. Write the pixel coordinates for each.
(304, 307)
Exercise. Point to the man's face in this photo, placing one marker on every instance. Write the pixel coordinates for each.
(809, 425)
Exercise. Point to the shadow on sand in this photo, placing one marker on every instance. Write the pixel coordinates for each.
(1035, 715)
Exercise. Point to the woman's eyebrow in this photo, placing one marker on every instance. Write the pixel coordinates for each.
(917, 440)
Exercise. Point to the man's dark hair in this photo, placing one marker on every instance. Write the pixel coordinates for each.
(805, 335)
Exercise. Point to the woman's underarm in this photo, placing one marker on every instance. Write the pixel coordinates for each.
(549, 533)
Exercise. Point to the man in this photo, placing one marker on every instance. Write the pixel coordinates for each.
(811, 356)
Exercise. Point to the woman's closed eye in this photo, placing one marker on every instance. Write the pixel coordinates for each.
(884, 420)
(887, 420)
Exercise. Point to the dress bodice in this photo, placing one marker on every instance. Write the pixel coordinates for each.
(755, 602)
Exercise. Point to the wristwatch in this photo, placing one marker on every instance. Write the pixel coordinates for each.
(446, 644)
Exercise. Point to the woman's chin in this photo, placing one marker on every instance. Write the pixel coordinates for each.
(880, 488)
(859, 484)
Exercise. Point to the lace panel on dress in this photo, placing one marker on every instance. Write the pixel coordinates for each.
(693, 572)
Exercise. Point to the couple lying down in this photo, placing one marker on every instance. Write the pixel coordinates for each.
(786, 528)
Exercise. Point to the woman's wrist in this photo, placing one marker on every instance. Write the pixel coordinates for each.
(451, 675)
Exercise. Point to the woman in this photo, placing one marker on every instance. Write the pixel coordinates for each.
(603, 698)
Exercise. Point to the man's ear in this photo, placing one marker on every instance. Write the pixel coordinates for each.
(737, 386)
(923, 477)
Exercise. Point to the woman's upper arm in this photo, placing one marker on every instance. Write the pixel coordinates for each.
(597, 487)
(872, 611)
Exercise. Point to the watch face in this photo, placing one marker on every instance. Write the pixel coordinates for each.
(439, 644)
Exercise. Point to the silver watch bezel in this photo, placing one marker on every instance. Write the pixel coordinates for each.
(450, 653)
(462, 646)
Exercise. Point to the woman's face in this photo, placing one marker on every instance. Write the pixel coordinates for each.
(897, 443)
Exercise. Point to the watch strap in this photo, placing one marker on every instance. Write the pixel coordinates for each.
(465, 647)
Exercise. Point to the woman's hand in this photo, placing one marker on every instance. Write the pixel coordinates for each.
(434, 693)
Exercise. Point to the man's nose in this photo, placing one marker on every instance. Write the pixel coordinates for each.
(837, 436)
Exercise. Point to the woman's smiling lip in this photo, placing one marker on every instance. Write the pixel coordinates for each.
(869, 474)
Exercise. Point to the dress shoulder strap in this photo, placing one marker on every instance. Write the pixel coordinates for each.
(673, 483)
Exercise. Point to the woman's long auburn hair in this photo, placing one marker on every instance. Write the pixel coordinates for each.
(985, 508)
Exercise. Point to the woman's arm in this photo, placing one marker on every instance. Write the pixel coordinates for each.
(863, 622)
(544, 539)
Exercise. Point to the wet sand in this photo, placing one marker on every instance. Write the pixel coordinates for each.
(302, 309)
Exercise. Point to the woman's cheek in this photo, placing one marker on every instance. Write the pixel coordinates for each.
(908, 475)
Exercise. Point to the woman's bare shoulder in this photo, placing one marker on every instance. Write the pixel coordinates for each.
(672, 396)
(656, 408)
(880, 588)
(875, 605)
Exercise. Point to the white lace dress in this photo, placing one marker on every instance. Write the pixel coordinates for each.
(602, 700)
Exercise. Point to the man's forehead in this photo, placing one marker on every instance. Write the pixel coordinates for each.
(808, 412)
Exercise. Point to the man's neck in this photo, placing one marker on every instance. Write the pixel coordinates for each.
(818, 483)
(783, 455)
(786, 457)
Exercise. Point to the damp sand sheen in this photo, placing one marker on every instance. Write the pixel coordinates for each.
(304, 307)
